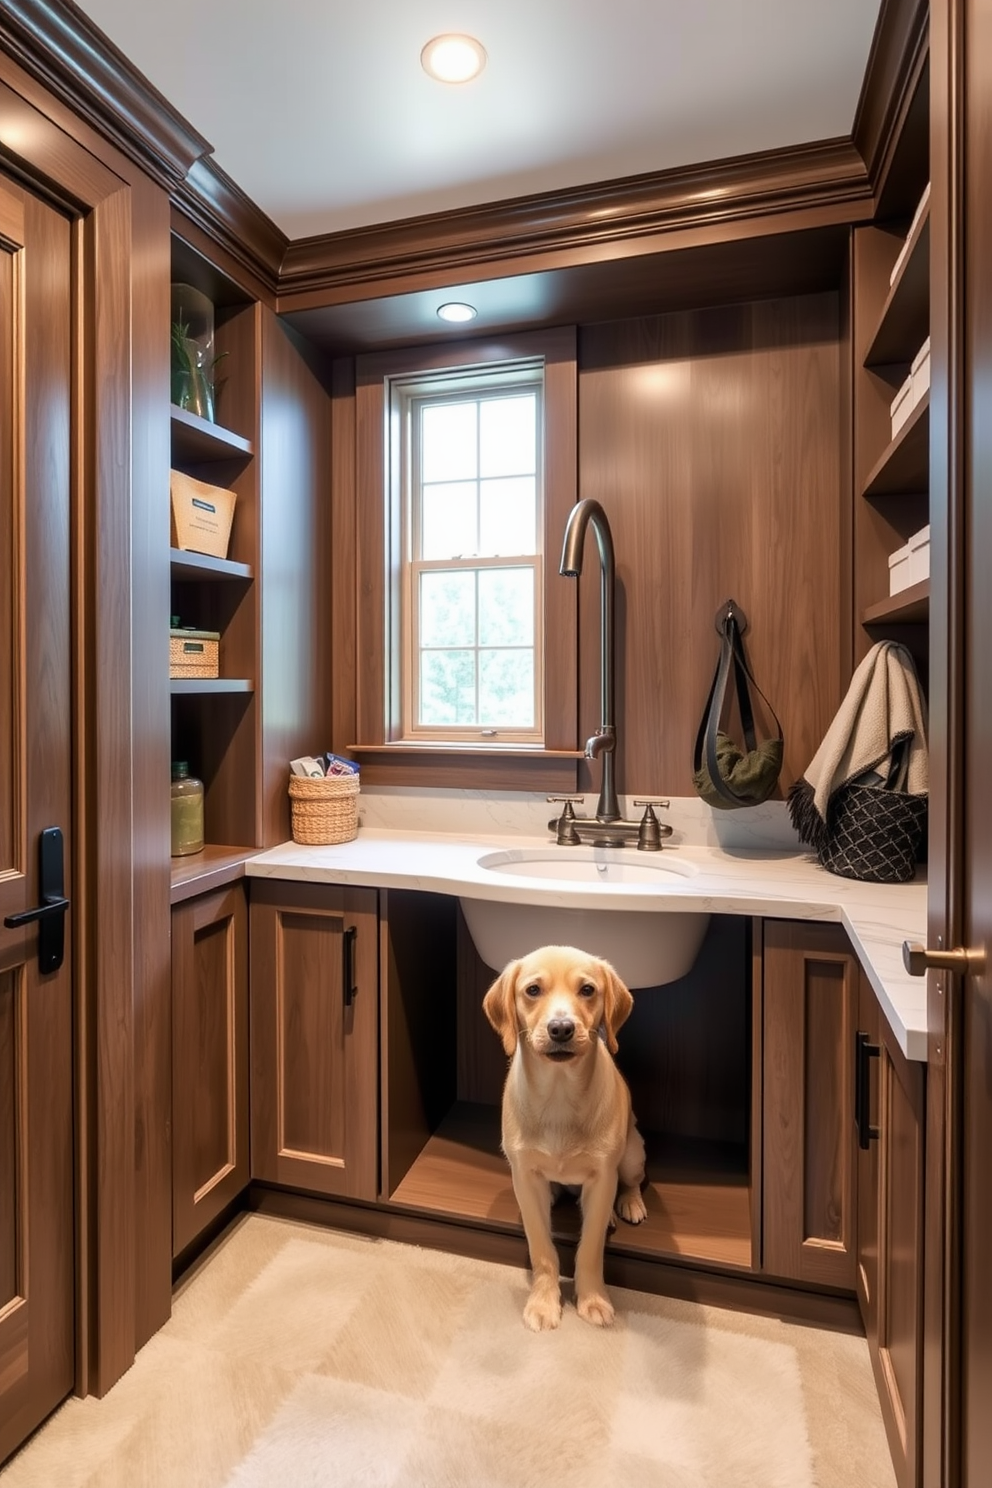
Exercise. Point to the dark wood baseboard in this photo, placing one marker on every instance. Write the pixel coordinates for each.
(199, 1251)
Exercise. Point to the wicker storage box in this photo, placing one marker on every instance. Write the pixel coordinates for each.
(324, 811)
(194, 653)
(201, 515)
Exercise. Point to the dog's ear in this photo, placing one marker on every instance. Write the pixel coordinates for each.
(499, 1006)
(617, 1006)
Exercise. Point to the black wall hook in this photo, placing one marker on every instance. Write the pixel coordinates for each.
(730, 610)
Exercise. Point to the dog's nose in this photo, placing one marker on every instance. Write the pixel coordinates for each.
(561, 1029)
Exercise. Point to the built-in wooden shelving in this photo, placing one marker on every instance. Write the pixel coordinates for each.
(209, 869)
(190, 686)
(903, 468)
(197, 440)
(904, 320)
(909, 606)
(187, 565)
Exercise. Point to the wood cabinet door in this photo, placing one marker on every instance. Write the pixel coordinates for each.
(809, 1202)
(314, 1037)
(209, 1059)
(37, 1270)
(896, 1344)
(869, 1022)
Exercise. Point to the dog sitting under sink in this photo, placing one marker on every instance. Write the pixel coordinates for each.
(567, 1117)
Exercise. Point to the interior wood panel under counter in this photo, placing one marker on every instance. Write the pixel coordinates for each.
(685, 1053)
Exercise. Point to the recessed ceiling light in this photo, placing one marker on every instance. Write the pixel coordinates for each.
(453, 59)
(457, 312)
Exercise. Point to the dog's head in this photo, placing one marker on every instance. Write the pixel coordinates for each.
(556, 999)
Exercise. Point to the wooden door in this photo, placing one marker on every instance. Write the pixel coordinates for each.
(809, 1203)
(897, 1340)
(37, 1363)
(868, 1161)
(314, 1037)
(209, 1059)
(974, 1387)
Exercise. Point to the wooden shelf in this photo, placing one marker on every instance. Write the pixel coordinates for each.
(210, 869)
(196, 440)
(908, 607)
(904, 467)
(904, 323)
(187, 686)
(186, 565)
(697, 1194)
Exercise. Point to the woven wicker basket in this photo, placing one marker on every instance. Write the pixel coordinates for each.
(324, 811)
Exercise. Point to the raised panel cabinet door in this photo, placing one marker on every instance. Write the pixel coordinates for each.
(37, 1338)
(209, 1059)
(314, 1037)
(809, 1205)
(897, 1343)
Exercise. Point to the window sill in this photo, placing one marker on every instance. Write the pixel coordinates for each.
(468, 766)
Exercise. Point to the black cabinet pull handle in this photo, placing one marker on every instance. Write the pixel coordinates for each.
(864, 1050)
(349, 940)
(51, 911)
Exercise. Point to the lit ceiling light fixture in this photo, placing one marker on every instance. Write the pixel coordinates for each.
(456, 312)
(453, 59)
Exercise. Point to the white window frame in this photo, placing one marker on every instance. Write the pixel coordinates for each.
(406, 397)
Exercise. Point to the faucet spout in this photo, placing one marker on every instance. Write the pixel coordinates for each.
(584, 514)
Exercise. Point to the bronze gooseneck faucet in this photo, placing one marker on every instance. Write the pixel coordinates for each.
(608, 827)
(583, 514)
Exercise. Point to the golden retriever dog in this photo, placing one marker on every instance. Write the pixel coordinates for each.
(566, 1115)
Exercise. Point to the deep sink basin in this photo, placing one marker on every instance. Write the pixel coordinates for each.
(647, 947)
(595, 866)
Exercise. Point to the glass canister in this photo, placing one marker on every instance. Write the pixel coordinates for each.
(187, 811)
(193, 358)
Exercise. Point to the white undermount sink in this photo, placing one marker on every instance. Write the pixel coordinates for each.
(648, 947)
(587, 865)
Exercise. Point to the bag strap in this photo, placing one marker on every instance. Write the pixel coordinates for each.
(731, 655)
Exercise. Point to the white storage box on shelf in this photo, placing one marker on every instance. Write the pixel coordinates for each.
(920, 372)
(901, 406)
(919, 555)
(899, 578)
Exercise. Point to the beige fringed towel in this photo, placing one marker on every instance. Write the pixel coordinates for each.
(879, 732)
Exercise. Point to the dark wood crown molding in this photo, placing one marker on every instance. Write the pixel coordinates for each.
(59, 45)
(895, 63)
(828, 173)
(209, 198)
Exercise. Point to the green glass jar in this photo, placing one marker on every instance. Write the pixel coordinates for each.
(187, 811)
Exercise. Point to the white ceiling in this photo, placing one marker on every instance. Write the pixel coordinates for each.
(320, 111)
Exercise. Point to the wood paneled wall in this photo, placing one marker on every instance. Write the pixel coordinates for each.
(713, 440)
(295, 637)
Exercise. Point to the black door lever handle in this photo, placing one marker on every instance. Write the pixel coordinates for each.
(51, 910)
(40, 912)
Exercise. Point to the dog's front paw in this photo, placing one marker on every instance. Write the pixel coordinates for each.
(595, 1309)
(631, 1206)
(543, 1311)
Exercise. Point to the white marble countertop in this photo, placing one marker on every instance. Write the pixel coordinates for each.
(778, 883)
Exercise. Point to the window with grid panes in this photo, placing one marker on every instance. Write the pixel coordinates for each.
(470, 453)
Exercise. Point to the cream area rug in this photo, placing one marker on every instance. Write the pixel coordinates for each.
(305, 1358)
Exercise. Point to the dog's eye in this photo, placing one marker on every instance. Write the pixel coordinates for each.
(587, 990)
(533, 990)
